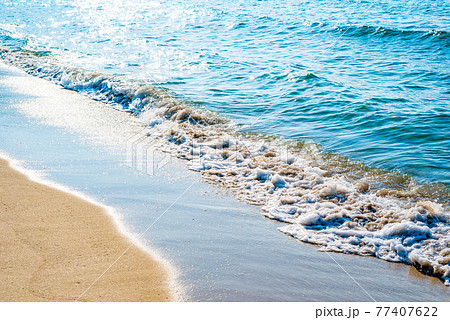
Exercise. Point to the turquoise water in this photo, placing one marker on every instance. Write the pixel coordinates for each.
(368, 80)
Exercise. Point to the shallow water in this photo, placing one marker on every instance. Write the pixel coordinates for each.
(368, 80)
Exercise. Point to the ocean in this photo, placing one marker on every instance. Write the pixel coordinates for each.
(368, 80)
(331, 115)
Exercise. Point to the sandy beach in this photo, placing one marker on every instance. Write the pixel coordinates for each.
(53, 246)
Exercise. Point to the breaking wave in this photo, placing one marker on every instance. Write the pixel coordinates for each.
(322, 198)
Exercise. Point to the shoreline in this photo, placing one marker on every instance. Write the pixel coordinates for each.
(303, 188)
(54, 254)
(80, 143)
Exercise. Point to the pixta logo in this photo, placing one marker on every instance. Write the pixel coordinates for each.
(143, 155)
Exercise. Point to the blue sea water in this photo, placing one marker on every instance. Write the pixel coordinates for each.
(368, 80)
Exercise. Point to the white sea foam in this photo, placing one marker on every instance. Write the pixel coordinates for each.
(319, 206)
(323, 203)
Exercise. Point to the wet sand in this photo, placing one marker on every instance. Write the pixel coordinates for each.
(54, 245)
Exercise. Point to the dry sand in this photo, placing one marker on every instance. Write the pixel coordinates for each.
(54, 245)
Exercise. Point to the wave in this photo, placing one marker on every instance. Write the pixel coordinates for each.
(126, 95)
(322, 198)
(434, 35)
(379, 31)
(12, 41)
